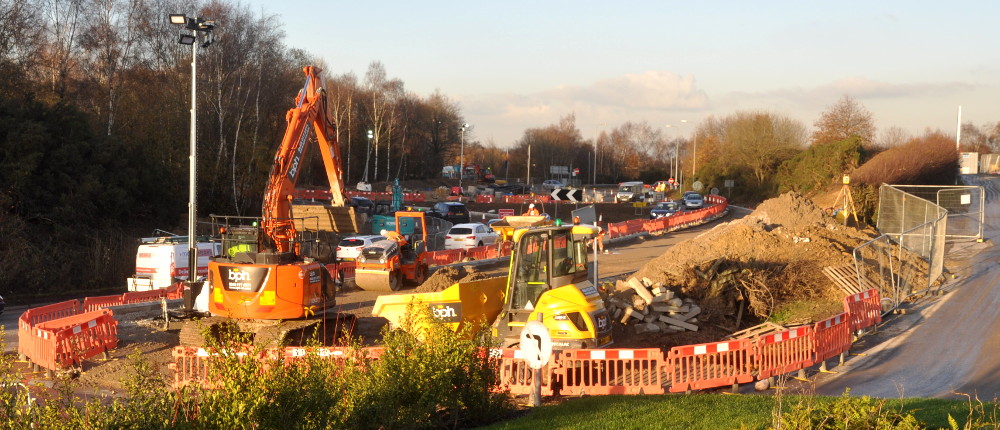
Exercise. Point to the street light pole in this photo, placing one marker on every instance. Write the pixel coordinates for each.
(673, 174)
(197, 26)
(461, 160)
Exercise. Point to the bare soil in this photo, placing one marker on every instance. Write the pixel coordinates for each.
(771, 260)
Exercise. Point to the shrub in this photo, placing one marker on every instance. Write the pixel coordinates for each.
(927, 160)
(819, 166)
(845, 412)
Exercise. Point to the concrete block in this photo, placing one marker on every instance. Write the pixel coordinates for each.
(678, 323)
(641, 290)
(675, 302)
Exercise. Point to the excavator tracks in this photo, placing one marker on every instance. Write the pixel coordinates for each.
(331, 330)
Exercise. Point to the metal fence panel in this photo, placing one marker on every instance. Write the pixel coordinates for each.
(909, 256)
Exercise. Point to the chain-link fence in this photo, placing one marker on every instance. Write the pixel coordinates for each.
(965, 206)
(908, 258)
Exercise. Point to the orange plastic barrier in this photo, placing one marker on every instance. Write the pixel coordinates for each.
(77, 338)
(407, 197)
(864, 309)
(175, 291)
(516, 376)
(91, 304)
(483, 198)
(784, 352)
(143, 296)
(833, 336)
(479, 252)
(710, 365)
(617, 229)
(610, 371)
(440, 258)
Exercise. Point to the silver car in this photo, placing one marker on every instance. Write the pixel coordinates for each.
(693, 200)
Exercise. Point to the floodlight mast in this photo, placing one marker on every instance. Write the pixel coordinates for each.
(196, 25)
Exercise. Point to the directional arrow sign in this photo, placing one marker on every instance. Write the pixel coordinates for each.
(570, 194)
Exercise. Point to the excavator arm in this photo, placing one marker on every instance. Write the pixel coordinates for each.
(310, 117)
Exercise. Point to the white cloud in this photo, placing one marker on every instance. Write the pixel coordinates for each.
(651, 95)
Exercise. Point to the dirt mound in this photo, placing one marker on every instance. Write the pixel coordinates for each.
(450, 275)
(764, 262)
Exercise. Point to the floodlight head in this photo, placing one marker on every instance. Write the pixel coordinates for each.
(178, 18)
(186, 39)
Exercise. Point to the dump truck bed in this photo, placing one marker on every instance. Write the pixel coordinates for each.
(474, 302)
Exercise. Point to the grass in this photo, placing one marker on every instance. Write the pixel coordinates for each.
(701, 411)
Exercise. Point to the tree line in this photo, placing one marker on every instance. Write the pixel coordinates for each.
(94, 119)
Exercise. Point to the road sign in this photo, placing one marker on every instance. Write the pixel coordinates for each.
(697, 186)
(506, 212)
(536, 344)
(570, 194)
(576, 171)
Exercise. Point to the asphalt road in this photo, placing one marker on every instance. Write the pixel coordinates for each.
(943, 345)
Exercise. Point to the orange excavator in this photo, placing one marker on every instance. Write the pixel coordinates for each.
(268, 278)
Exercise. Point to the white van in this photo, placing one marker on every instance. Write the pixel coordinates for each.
(161, 261)
(634, 191)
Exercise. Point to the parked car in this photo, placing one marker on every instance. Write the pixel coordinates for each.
(350, 247)
(664, 209)
(453, 212)
(363, 205)
(693, 200)
(552, 184)
(470, 235)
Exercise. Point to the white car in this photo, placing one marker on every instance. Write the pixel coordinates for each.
(553, 184)
(350, 247)
(465, 236)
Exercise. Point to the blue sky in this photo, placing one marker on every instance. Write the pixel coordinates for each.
(515, 65)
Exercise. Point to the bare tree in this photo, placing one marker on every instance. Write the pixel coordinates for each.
(108, 43)
(61, 33)
(892, 137)
(846, 118)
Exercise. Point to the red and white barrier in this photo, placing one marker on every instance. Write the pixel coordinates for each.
(786, 351)
(864, 309)
(610, 371)
(710, 365)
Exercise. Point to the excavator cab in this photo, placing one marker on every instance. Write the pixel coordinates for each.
(549, 276)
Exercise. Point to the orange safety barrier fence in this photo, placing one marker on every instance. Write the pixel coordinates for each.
(483, 198)
(91, 304)
(516, 375)
(175, 291)
(143, 296)
(786, 351)
(407, 197)
(634, 226)
(710, 365)
(440, 258)
(864, 309)
(479, 252)
(610, 371)
(32, 345)
(833, 336)
(79, 337)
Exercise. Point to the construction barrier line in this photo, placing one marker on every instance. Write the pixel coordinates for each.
(611, 371)
(864, 309)
(710, 365)
(784, 352)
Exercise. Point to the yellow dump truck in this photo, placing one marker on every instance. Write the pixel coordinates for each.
(548, 275)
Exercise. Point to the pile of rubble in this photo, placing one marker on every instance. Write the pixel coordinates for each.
(651, 307)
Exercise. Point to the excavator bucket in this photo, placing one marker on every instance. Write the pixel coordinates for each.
(378, 280)
(323, 217)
